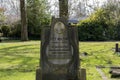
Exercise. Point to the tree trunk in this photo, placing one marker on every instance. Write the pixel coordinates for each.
(24, 32)
(63, 9)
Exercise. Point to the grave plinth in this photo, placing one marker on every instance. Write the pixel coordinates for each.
(115, 72)
(59, 58)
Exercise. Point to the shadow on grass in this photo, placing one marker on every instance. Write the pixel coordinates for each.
(10, 41)
(16, 52)
(17, 47)
(16, 41)
(17, 60)
(18, 70)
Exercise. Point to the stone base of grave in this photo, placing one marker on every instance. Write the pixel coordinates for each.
(81, 74)
(115, 72)
(38, 74)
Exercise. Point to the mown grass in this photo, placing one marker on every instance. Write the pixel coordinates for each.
(19, 60)
(99, 54)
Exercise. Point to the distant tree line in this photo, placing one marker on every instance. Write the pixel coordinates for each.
(37, 17)
(102, 25)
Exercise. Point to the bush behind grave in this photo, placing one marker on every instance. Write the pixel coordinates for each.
(100, 26)
(5, 30)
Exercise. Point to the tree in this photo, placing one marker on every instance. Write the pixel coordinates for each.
(92, 28)
(24, 32)
(77, 9)
(63, 8)
(12, 10)
(2, 16)
(103, 24)
(38, 16)
(112, 16)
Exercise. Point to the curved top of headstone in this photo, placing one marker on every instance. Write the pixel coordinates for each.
(59, 50)
(63, 20)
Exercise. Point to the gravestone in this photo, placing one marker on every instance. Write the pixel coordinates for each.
(117, 49)
(59, 52)
(59, 58)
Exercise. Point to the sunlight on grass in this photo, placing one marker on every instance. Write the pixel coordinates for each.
(19, 60)
(99, 54)
(15, 75)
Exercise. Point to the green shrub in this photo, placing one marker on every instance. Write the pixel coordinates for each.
(101, 25)
(90, 30)
(16, 30)
(5, 29)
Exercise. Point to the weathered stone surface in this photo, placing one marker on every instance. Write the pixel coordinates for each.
(59, 52)
(115, 72)
(116, 47)
(82, 74)
(38, 74)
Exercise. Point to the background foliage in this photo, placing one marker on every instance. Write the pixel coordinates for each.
(37, 17)
(104, 24)
(101, 25)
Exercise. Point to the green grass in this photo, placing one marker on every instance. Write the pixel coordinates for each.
(99, 53)
(19, 60)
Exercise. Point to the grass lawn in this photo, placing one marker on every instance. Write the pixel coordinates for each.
(99, 54)
(19, 60)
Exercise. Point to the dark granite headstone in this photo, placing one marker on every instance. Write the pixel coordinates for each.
(59, 52)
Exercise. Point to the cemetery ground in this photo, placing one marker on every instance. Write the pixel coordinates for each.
(19, 60)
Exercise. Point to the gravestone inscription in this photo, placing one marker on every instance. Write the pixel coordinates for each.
(59, 52)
